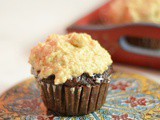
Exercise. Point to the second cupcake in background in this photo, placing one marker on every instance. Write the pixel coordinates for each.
(73, 72)
(133, 11)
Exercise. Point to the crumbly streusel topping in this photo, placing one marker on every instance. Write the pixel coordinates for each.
(68, 56)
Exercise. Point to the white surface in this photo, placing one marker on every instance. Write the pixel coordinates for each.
(24, 23)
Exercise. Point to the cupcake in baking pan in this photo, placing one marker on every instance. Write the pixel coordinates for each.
(73, 72)
(133, 11)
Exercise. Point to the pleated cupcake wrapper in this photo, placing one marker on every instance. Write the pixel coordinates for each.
(73, 101)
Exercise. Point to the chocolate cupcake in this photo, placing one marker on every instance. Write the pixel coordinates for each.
(73, 72)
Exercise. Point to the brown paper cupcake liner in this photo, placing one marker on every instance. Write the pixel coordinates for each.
(73, 101)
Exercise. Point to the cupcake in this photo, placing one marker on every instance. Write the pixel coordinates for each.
(133, 11)
(73, 72)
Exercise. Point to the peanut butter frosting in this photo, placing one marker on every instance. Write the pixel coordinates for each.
(68, 56)
(127, 11)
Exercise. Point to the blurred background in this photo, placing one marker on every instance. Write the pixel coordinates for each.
(24, 23)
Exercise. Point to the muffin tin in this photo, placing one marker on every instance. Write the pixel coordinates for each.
(114, 39)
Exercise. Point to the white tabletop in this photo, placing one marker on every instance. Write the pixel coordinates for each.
(24, 23)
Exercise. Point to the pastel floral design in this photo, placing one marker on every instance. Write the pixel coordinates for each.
(120, 85)
(25, 106)
(134, 102)
(121, 117)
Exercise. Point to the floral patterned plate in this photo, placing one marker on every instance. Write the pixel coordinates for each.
(131, 97)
